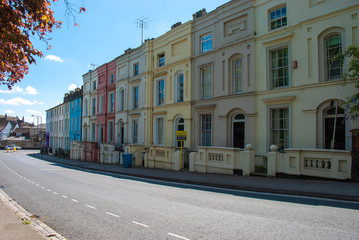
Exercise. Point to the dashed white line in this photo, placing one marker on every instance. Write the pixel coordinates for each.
(74, 200)
(28, 180)
(43, 187)
(32, 182)
(38, 185)
(64, 196)
(114, 215)
(178, 236)
(141, 224)
(49, 190)
(89, 206)
(55, 193)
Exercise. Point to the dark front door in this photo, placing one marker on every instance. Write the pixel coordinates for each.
(238, 134)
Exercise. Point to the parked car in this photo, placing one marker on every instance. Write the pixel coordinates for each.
(12, 146)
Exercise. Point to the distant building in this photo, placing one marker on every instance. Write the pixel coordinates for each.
(9, 124)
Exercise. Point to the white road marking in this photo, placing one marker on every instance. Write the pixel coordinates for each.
(38, 185)
(55, 193)
(28, 180)
(49, 190)
(114, 215)
(32, 182)
(141, 224)
(43, 187)
(74, 200)
(178, 236)
(89, 206)
(63, 196)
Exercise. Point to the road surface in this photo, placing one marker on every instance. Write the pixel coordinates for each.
(82, 204)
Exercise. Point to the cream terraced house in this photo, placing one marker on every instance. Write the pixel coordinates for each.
(223, 86)
(89, 106)
(300, 92)
(130, 98)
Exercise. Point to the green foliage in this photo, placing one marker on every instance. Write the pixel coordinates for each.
(351, 73)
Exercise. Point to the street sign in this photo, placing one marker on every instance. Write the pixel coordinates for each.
(181, 135)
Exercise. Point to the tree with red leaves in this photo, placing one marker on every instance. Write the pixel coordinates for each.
(20, 19)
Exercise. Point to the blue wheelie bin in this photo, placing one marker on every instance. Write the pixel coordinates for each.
(127, 160)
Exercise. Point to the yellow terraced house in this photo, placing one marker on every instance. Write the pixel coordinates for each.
(168, 95)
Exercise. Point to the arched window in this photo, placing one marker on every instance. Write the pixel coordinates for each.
(237, 75)
(238, 129)
(333, 47)
(334, 128)
(331, 42)
(179, 88)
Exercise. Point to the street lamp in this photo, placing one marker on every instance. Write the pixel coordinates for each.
(37, 117)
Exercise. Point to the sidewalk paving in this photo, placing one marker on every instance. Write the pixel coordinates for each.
(12, 227)
(18, 224)
(339, 190)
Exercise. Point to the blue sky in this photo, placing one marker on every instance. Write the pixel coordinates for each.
(106, 29)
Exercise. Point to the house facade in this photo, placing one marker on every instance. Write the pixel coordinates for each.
(131, 98)
(74, 100)
(251, 82)
(300, 90)
(223, 85)
(169, 87)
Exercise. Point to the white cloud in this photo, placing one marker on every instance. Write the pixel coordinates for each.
(54, 58)
(31, 91)
(34, 112)
(72, 87)
(9, 111)
(13, 90)
(28, 90)
(19, 101)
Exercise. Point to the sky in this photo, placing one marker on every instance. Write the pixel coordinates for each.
(105, 31)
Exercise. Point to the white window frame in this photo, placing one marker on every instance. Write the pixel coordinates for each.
(329, 59)
(202, 130)
(206, 42)
(277, 15)
(178, 88)
(93, 106)
(111, 102)
(162, 100)
(136, 69)
(100, 104)
(135, 131)
(110, 131)
(203, 84)
(112, 78)
(161, 59)
(270, 126)
(237, 80)
(158, 135)
(272, 67)
(135, 99)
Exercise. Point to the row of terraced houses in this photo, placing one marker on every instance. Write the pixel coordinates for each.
(253, 83)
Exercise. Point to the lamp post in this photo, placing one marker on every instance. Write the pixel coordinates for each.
(37, 117)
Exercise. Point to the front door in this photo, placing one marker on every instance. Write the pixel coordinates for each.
(238, 131)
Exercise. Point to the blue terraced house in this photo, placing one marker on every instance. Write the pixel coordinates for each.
(75, 100)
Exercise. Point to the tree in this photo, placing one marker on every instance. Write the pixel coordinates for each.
(351, 73)
(19, 20)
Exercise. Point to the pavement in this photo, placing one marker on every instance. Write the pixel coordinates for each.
(16, 223)
(339, 190)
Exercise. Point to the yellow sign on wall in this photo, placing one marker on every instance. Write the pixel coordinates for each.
(181, 135)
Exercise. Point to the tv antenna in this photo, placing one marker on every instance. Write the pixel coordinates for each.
(92, 66)
(142, 24)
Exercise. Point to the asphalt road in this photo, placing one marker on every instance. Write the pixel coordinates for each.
(82, 204)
